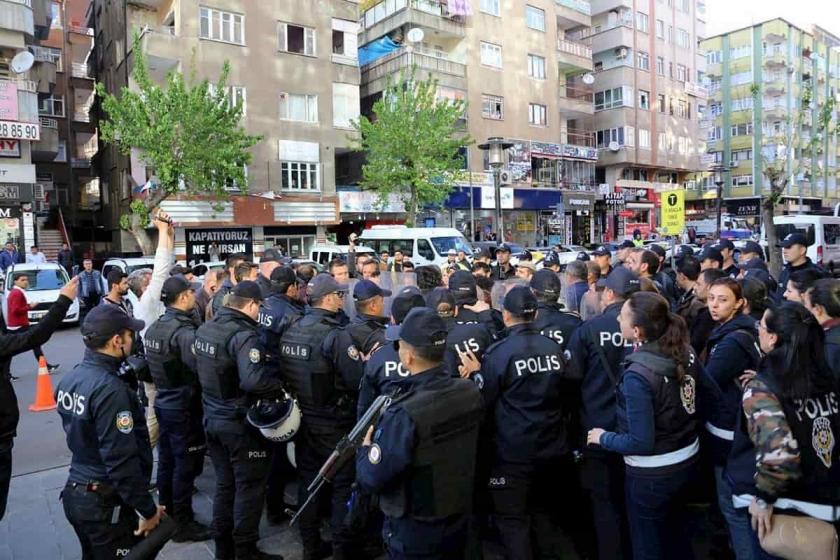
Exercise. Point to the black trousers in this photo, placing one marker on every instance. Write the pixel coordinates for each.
(241, 462)
(602, 476)
(37, 349)
(5, 473)
(105, 526)
(313, 446)
(181, 447)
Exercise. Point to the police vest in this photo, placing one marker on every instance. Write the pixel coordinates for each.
(307, 372)
(366, 335)
(439, 481)
(217, 371)
(165, 365)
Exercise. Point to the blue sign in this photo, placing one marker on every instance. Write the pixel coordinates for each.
(429, 222)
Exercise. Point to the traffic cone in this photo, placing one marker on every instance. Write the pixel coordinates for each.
(44, 399)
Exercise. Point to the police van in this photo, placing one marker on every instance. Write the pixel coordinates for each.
(422, 246)
(822, 233)
(323, 254)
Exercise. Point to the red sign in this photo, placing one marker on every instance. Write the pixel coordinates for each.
(626, 213)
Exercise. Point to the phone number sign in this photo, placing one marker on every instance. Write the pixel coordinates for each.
(19, 130)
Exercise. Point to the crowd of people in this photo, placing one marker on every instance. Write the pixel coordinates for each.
(536, 405)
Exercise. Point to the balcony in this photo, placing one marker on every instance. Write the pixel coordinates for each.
(80, 70)
(448, 73)
(388, 15)
(22, 84)
(580, 137)
(163, 48)
(17, 16)
(576, 102)
(601, 6)
(81, 116)
(573, 56)
(615, 37)
(46, 149)
(775, 59)
(573, 13)
(775, 31)
(44, 74)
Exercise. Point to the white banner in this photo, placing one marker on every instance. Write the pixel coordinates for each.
(20, 130)
(13, 173)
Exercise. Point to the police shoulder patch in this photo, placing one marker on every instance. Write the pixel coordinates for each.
(254, 356)
(353, 352)
(125, 422)
(374, 454)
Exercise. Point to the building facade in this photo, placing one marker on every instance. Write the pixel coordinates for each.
(296, 72)
(23, 78)
(757, 78)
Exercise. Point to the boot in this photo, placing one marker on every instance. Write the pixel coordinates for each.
(317, 552)
(251, 552)
(191, 531)
(225, 549)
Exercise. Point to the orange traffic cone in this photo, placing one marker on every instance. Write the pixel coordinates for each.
(44, 399)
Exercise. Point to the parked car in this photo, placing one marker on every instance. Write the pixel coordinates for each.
(45, 283)
(127, 265)
(822, 233)
(323, 254)
(423, 246)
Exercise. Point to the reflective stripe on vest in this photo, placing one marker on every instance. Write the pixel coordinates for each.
(728, 435)
(664, 460)
(817, 511)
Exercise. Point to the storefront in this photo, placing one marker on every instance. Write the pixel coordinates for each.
(747, 208)
(10, 224)
(639, 211)
(361, 210)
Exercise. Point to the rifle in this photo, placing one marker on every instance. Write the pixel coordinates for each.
(344, 450)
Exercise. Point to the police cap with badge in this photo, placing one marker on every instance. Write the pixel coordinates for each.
(601, 251)
(546, 282)
(421, 328)
(463, 287)
(323, 285)
(282, 277)
(520, 301)
(367, 289)
(404, 301)
(173, 287)
(623, 281)
(105, 321)
(792, 239)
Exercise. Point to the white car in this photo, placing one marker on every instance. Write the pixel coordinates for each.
(45, 283)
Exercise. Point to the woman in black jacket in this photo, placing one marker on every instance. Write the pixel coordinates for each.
(823, 301)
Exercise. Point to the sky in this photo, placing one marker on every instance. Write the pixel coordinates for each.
(727, 15)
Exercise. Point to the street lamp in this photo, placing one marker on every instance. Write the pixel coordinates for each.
(718, 170)
(496, 148)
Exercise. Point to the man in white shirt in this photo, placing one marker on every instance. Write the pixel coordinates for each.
(35, 256)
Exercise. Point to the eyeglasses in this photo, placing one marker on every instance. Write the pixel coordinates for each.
(340, 294)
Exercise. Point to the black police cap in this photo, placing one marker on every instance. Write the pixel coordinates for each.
(463, 287)
(173, 287)
(106, 320)
(520, 300)
(283, 275)
(422, 327)
(546, 282)
(248, 289)
(366, 289)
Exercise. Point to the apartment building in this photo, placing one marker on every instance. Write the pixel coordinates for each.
(522, 68)
(756, 77)
(23, 23)
(648, 102)
(297, 74)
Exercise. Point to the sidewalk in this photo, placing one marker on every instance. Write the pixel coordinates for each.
(35, 528)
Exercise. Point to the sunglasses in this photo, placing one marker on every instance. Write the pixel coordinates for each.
(340, 294)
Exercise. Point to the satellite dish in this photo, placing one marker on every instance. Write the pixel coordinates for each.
(588, 79)
(614, 146)
(22, 62)
(415, 35)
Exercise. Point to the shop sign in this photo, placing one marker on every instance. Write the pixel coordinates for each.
(626, 214)
(231, 240)
(369, 202)
(746, 207)
(7, 212)
(581, 152)
(673, 212)
(20, 130)
(10, 148)
(16, 173)
(488, 198)
(9, 192)
(8, 101)
(519, 162)
(614, 199)
(579, 201)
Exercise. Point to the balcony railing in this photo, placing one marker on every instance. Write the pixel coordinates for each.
(80, 163)
(405, 59)
(576, 49)
(81, 116)
(27, 3)
(580, 137)
(43, 54)
(23, 85)
(78, 29)
(581, 6)
(47, 122)
(80, 70)
(578, 93)
(387, 8)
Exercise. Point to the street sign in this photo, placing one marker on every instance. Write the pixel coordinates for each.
(626, 214)
(673, 212)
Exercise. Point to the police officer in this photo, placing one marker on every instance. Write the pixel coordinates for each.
(464, 289)
(529, 392)
(227, 286)
(383, 370)
(551, 320)
(462, 334)
(597, 350)
(169, 352)
(421, 458)
(313, 363)
(231, 368)
(552, 262)
(270, 260)
(106, 432)
(727, 251)
(366, 330)
(502, 270)
(795, 253)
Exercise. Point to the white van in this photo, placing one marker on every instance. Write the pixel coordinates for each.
(421, 246)
(323, 254)
(822, 232)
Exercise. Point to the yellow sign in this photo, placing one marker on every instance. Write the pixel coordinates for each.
(673, 212)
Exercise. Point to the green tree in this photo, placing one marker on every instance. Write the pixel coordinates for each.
(187, 132)
(411, 144)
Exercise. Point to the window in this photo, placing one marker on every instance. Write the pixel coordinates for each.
(660, 29)
(644, 99)
(684, 6)
(612, 98)
(51, 106)
(62, 151)
(644, 138)
(603, 138)
(299, 176)
(714, 134)
(831, 234)
(660, 66)
(299, 107)
(344, 41)
(681, 144)
(741, 155)
(745, 129)
(643, 60)
(492, 107)
(535, 18)
(663, 142)
(742, 104)
(682, 109)
(663, 106)
(683, 38)
(670, 69)
(741, 78)
(237, 95)
(222, 26)
(641, 22)
(490, 7)
(682, 73)
(740, 52)
(345, 105)
(716, 109)
(537, 114)
(536, 67)
(55, 13)
(491, 55)
(714, 57)
(296, 39)
(671, 34)
(425, 250)
(742, 180)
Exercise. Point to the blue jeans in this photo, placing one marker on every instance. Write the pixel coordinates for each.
(738, 519)
(656, 509)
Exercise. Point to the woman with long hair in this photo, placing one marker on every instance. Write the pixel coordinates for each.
(785, 456)
(823, 301)
(731, 350)
(756, 298)
(657, 426)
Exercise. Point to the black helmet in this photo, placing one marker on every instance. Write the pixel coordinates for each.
(277, 419)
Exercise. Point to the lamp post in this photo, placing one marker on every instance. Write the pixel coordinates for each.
(718, 170)
(496, 148)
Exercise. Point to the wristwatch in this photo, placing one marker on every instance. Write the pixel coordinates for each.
(761, 503)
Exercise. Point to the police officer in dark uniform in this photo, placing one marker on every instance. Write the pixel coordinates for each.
(464, 288)
(108, 486)
(551, 320)
(324, 377)
(227, 285)
(169, 352)
(529, 392)
(383, 370)
(231, 368)
(270, 255)
(795, 253)
(597, 351)
(502, 270)
(366, 330)
(421, 458)
(552, 262)
(467, 330)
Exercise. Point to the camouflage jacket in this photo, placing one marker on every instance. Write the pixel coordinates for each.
(777, 451)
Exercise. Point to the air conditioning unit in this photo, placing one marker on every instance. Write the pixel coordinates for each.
(504, 177)
(733, 163)
(621, 52)
(39, 191)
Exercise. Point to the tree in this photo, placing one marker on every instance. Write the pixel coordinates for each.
(781, 162)
(411, 144)
(187, 132)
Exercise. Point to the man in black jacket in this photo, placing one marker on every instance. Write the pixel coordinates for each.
(12, 344)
